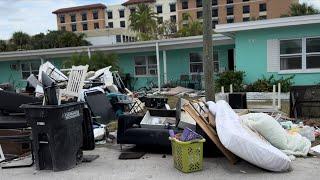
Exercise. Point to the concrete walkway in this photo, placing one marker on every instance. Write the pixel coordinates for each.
(154, 166)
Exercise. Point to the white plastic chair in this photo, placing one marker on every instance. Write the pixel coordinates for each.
(75, 83)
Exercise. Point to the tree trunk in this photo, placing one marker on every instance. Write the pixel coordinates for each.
(208, 51)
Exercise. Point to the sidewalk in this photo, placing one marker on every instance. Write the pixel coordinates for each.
(153, 166)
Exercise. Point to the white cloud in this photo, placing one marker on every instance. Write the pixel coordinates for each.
(314, 3)
(35, 16)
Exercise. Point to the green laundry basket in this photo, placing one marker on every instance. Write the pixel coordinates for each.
(187, 156)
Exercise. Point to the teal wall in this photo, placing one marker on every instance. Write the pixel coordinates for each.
(177, 63)
(14, 76)
(251, 51)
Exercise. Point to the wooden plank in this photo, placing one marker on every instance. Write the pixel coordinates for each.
(206, 127)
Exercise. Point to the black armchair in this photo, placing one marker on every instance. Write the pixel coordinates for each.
(130, 132)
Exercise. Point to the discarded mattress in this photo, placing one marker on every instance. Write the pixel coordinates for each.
(269, 128)
(244, 144)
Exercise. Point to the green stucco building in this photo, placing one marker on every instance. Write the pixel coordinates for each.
(280, 47)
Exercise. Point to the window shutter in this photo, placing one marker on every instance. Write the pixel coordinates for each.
(273, 55)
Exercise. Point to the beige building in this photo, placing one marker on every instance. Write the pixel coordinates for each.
(81, 18)
(230, 11)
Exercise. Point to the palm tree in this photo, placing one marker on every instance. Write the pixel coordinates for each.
(297, 9)
(20, 40)
(3, 46)
(143, 21)
(193, 28)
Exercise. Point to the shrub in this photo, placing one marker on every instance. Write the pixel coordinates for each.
(266, 84)
(230, 77)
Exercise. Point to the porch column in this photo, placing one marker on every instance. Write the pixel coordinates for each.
(89, 53)
(165, 66)
(158, 66)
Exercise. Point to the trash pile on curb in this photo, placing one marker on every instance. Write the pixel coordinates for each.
(71, 111)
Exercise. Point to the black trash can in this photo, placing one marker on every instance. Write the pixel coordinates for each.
(57, 134)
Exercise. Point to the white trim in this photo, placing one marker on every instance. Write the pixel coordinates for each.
(269, 23)
(158, 66)
(167, 44)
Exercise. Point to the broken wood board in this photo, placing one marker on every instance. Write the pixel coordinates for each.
(212, 134)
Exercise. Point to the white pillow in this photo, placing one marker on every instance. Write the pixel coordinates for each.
(268, 127)
(244, 144)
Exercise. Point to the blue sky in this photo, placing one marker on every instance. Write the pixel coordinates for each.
(34, 16)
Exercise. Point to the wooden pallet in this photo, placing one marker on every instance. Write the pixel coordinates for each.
(207, 124)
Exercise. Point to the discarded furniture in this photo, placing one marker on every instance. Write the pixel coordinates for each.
(305, 101)
(99, 106)
(120, 103)
(57, 134)
(155, 102)
(238, 100)
(11, 101)
(196, 80)
(208, 125)
(131, 132)
(75, 82)
(184, 80)
(14, 140)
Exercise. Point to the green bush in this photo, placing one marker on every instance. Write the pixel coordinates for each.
(230, 77)
(266, 84)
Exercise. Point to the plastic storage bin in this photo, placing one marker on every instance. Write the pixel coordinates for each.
(187, 156)
(57, 134)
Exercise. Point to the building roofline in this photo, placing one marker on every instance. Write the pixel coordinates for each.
(167, 44)
(229, 29)
(79, 8)
(131, 2)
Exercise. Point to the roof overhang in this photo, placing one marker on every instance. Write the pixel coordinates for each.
(168, 44)
(230, 29)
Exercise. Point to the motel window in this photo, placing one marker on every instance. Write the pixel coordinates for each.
(74, 27)
(199, 3)
(313, 53)
(62, 19)
(95, 14)
(230, 20)
(118, 38)
(196, 63)
(96, 25)
(173, 7)
(29, 68)
(246, 19)
(159, 9)
(121, 13)
(63, 28)
(214, 2)
(173, 18)
(145, 65)
(246, 9)
(199, 14)
(132, 10)
(214, 12)
(291, 54)
(229, 11)
(263, 7)
(84, 26)
(110, 24)
(122, 24)
(110, 15)
(229, 1)
(73, 17)
(185, 4)
(214, 23)
(84, 16)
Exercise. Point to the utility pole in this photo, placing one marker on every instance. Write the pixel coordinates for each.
(208, 51)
